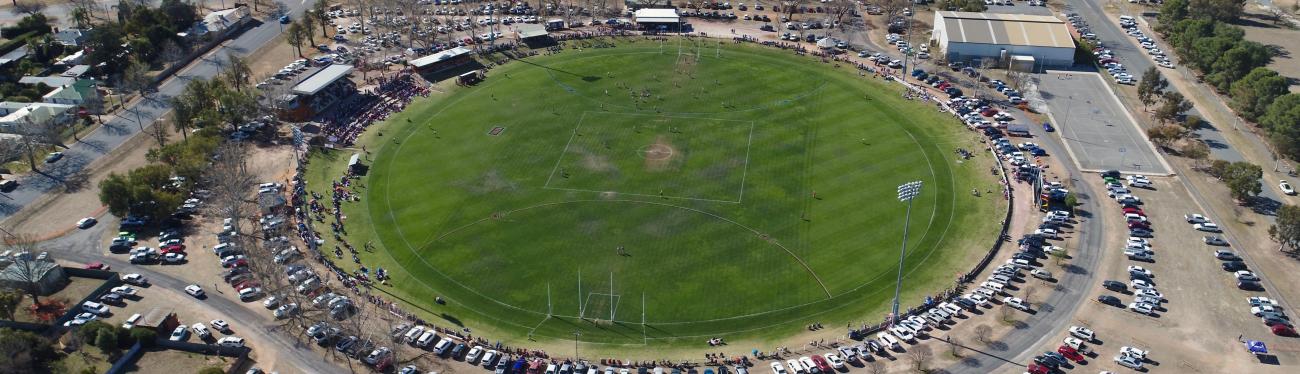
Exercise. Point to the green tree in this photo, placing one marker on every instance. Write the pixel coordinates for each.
(1172, 106)
(294, 36)
(25, 352)
(1197, 151)
(145, 337)
(103, 45)
(9, 303)
(1165, 136)
(320, 13)
(1223, 10)
(238, 72)
(1150, 86)
(106, 340)
(1286, 230)
(1252, 94)
(1236, 62)
(1242, 179)
(1218, 168)
(1172, 12)
(1282, 119)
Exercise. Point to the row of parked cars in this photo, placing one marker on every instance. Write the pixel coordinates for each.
(1130, 27)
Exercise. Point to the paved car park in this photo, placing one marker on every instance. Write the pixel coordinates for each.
(1097, 131)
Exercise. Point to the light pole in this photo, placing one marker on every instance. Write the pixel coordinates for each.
(576, 333)
(906, 192)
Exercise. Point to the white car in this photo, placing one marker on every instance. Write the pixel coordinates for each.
(835, 360)
(977, 298)
(1015, 302)
(1247, 276)
(221, 325)
(1128, 362)
(1139, 354)
(1195, 218)
(81, 319)
(1041, 274)
(123, 290)
(271, 302)
(1150, 292)
(903, 333)
(1138, 284)
(179, 334)
(135, 279)
(194, 290)
(1140, 270)
(94, 307)
(795, 366)
(1286, 188)
(1140, 307)
(1259, 300)
(1258, 310)
(1207, 227)
(201, 330)
(231, 341)
(1082, 333)
(777, 368)
(473, 354)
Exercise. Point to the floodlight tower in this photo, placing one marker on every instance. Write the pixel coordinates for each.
(906, 193)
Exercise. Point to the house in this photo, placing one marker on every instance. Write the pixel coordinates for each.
(47, 276)
(221, 21)
(15, 114)
(971, 37)
(71, 37)
(75, 94)
(14, 55)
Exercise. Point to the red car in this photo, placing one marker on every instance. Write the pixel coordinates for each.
(239, 263)
(1070, 353)
(1283, 330)
(989, 112)
(821, 364)
(1138, 225)
(1132, 210)
(1037, 369)
(97, 266)
(246, 284)
(173, 249)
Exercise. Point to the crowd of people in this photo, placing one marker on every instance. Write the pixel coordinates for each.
(390, 95)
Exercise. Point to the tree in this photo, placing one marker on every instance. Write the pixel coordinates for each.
(954, 346)
(1165, 136)
(983, 333)
(238, 72)
(920, 355)
(106, 340)
(1150, 86)
(1218, 168)
(1222, 10)
(1193, 122)
(320, 13)
(104, 45)
(309, 30)
(24, 352)
(1282, 119)
(26, 274)
(1172, 106)
(1236, 62)
(136, 78)
(1242, 179)
(1171, 12)
(1286, 231)
(9, 303)
(30, 7)
(1253, 93)
(294, 36)
(1197, 151)
(1071, 200)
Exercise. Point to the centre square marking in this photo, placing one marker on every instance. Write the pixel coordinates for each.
(643, 154)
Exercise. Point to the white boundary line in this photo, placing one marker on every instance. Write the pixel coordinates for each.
(565, 150)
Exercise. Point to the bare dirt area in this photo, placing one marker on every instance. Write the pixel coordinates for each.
(71, 294)
(1285, 41)
(161, 361)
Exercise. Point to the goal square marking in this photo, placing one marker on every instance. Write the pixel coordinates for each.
(655, 155)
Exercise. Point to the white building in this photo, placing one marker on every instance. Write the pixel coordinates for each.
(661, 19)
(971, 37)
(14, 114)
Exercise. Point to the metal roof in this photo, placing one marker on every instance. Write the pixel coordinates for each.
(656, 15)
(1006, 29)
(436, 57)
(322, 78)
(531, 30)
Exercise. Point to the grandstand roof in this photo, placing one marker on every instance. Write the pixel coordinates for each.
(321, 79)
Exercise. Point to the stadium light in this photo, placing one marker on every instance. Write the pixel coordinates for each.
(906, 193)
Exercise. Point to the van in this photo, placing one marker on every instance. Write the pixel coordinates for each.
(425, 339)
(414, 334)
(1126, 19)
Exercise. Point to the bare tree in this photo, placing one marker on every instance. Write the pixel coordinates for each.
(1008, 313)
(876, 367)
(954, 346)
(238, 71)
(920, 356)
(169, 52)
(30, 7)
(26, 271)
(34, 136)
(1030, 292)
(983, 333)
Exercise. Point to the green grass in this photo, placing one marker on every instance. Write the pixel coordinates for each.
(703, 170)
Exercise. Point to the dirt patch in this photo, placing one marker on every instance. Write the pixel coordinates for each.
(596, 162)
(1285, 42)
(164, 361)
(659, 155)
(77, 289)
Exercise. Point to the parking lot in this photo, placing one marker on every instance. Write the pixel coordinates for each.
(1097, 131)
(1198, 325)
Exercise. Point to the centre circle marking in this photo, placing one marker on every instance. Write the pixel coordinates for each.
(655, 152)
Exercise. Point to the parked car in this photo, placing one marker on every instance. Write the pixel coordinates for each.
(194, 290)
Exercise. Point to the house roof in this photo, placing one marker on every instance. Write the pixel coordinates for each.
(220, 20)
(436, 57)
(35, 113)
(14, 55)
(52, 81)
(1006, 29)
(70, 37)
(322, 78)
(656, 15)
(76, 71)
